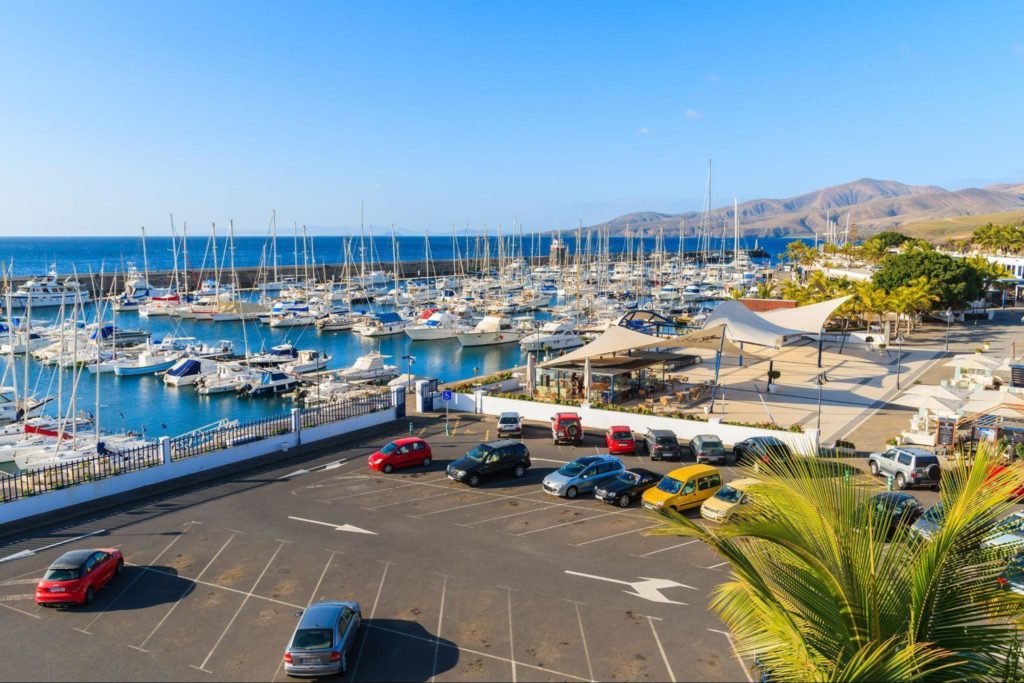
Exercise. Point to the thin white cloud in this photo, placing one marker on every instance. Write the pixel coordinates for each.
(691, 114)
(643, 130)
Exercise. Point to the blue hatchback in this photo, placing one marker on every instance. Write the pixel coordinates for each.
(583, 475)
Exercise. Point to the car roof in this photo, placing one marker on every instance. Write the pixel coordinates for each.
(619, 428)
(744, 483)
(73, 559)
(914, 451)
(509, 413)
(323, 614)
(593, 459)
(561, 415)
(766, 437)
(406, 440)
(501, 443)
(643, 471)
(893, 497)
(692, 470)
(661, 432)
(707, 437)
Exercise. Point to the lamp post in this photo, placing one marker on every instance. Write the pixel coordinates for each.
(408, 371)
(820, 380)
(949, 319)
(899, 359)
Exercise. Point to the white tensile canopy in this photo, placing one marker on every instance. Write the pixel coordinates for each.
(618, 340)
(974, 361)
(772, 328)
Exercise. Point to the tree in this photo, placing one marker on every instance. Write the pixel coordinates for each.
(820, 590)
(955, 280)
(764, 290)
(887, 239)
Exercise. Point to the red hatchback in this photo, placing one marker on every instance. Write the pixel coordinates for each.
(75, 576)
(407, 452)
(620, 441)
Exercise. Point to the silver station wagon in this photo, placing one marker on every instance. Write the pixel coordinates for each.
(323, 639)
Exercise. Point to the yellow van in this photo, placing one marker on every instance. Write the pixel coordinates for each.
(684, 488)
(728, 500)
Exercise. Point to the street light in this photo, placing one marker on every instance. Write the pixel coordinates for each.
(408, 371)
(820, 380)
(899, 359)
(949, 319)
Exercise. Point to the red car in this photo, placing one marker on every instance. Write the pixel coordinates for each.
(75, 576)
(407, 452)
(620, 441)
(1018, 491)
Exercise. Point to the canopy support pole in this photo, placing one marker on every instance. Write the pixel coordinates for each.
(718, 366)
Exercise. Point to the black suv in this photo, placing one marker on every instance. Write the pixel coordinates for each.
(661, 444)
(492, 459)
(763, 448)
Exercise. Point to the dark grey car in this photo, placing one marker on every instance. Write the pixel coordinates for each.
(323, 639)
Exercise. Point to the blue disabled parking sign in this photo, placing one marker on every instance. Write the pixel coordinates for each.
(446, 395)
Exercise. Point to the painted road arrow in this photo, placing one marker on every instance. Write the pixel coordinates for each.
(336, 527)
(647, 588)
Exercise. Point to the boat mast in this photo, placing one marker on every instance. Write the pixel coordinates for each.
(273, 242)
(735, 230)
(216, 273)
(145, 261)
(234, 275)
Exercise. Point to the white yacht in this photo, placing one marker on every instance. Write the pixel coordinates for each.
(282, 353)
(335, 322)
(368, 368)
(435, 324)
(48, 292)
(308, 361)
(267, 383)
(555, 334)
(188, 370)
(146, 363)
(491, 330)
(381, 325)
(227, 378)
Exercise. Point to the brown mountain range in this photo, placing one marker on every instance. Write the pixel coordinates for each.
(872, 206)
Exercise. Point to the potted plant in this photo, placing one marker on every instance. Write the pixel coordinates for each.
(772, 376)
(986, 346)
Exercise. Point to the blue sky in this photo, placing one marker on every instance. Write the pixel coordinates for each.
(113, 115)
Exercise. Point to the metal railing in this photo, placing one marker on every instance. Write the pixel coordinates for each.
(226, 434)
(87, 468)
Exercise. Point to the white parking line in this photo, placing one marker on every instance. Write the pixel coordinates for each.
(511, 640)
(574, 521)
(366, 493)
(202, 667)
(623, 533)
(20, 582)
(661, 550)
(412, 500)
(138, 576)
(514, 514)
(13, 598)
(732, 644)
(664, 657)
(457, 507)
(142, 646)
(583, 637)
(440, 624)
(312, 598)
(27, 614)
(716, 566)
(373, 610)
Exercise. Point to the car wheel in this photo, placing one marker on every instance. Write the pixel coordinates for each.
(874, 468)
(622, 501)
(426, 462)
(519, 471)
(388, 469)
(474, 480)
(571, 492)
(901, 481)
(119, 568)
(90, 595)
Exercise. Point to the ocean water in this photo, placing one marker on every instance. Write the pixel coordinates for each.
(34, 255)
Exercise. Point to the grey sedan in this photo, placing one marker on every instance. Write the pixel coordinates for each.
(323, 639)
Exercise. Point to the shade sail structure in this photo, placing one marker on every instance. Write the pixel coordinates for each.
(619, 341)
(974, 361)
(942, 406)
(810, 319)
(1002, 402)
(771, 328)
(944, 393)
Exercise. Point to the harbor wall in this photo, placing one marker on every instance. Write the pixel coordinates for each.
(90, 495)
(594, 419)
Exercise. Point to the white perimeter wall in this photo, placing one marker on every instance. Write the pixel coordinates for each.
(602, 419)
(82, 494)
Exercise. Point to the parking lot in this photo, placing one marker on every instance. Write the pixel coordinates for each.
(501, 582)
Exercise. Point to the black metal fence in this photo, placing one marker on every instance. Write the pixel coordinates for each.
(109, 461)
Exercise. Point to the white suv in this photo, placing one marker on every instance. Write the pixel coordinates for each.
(510, 424)
(908, 466)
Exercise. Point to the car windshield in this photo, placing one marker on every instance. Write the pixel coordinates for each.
(729, 495)
(665, 441)
(628, 477)
(572, 469)
(61, 575)
(622, 436)
(670, 485)
(478, 453)
(508, 421)
(312, 639)
(389, 449)
(934, 513)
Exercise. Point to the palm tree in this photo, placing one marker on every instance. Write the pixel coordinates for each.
(872, 300)
(792, 290)
(820, 590)
(764, 290)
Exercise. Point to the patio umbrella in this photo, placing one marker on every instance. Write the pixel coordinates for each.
(945, 393)
(531, 372)
(994, 403)
(586, 377)
(935, 404)
(973, 361)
